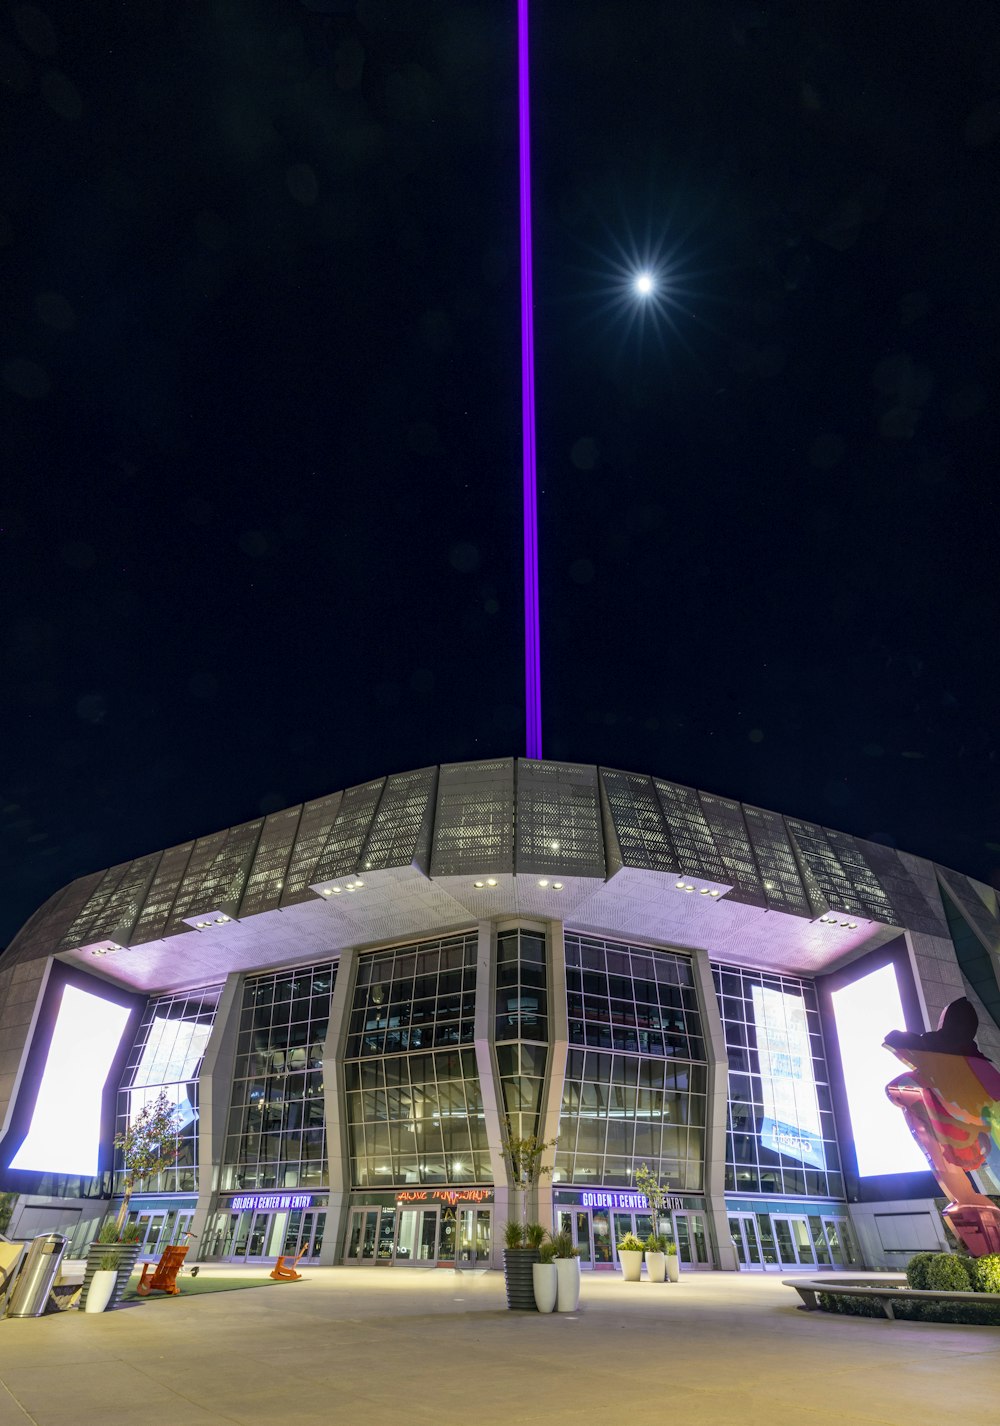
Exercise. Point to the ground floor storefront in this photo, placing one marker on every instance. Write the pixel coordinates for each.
(783, 1235)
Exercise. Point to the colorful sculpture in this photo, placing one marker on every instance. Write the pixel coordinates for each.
(951, 1100)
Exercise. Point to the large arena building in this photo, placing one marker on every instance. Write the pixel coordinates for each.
(348, 1000)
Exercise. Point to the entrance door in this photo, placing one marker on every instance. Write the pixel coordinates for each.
(692, 1240)
(746, 1240)
(475, 1235)
(304, 1234)
(841, 1241)
(362, 1236)
(416, 1236)
(795, 1245)
(576, 1222)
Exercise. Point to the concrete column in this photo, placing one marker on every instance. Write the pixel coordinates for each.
(552, 1090)
(338, 1150)
(716, 1106)
(215, 1085)
(489, 1083)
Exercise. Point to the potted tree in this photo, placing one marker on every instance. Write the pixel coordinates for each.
(656, 1257)
(630, 1256)
(522, 1239)
(657, 1193)
(147, 1146)
(544, 1278)
(567, 1259)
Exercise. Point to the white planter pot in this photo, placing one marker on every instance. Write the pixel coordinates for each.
(656, 1266)
(631, 1264)
(568, 1276)
(673, 1268)
(545, 1283)
(102, 1285)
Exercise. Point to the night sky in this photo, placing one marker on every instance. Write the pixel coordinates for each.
(260, 405)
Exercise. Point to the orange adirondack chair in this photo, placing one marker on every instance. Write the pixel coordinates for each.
(284, 1271)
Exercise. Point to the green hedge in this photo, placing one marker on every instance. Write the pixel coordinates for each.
(973, 1314)
(943, 1272)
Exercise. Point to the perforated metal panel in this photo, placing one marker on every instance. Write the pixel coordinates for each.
(907, 898)
(353, 822)
(43, 933)
(474, 818)
(314, 827)
(870, 891)
(266, 880)
(155, 914)
(112, 910)
(400, 833)
(637, 821)
(725, 818)
(217, 871)
(689, 832)
(778, 868)
(835, 886)
(558, 826)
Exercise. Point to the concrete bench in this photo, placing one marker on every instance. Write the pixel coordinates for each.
(808, 1288)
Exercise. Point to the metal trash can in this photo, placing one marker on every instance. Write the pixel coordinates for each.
(37, 1276)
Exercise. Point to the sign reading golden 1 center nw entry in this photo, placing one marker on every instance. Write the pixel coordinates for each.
(445, 1195)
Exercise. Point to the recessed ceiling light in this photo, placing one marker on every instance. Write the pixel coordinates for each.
(479, 885)
(543, 883)
(557, 886)
(491, 881)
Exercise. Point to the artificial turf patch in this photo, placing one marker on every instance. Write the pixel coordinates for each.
(193, 1286)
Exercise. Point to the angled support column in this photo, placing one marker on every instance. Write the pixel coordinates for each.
(552, 1093)
(335, 1110)
(489, 1083)
(215, 1087)
(716, 1106)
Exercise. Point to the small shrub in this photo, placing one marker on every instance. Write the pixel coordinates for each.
(656, 1243)
(916, 1269)
(513, 1234)
(108, 1263)
(629, 1243)
(107, 1233)
(671, 1250)
(850, 1306)
(563, 1244)
(535, 1235)
(985, 1273)
(547, 1252)
(947, 1272)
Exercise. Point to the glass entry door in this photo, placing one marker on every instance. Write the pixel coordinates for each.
(475, 1236)
(304, 1234)
(416, 1236)
(795, 1244)
(746, 1240)
(692, 1239)
(841, 1241)
(576, 1222)
(363, 1235)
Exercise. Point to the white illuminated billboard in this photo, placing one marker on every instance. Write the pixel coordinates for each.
(790, 1123)
(865, 1011)
(65, 1131)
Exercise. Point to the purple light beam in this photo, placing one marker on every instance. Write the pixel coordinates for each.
(532, 636)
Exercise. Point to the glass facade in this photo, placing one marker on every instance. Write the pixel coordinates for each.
(638, 1096)
(780, 1132)
(166, 1056)
(521, 1026)
(414, 1107)
(277, 1135)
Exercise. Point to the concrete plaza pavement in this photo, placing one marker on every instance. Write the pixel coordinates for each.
(389, 1346)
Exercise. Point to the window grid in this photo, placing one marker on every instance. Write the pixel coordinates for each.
(414, 1108)
(750, 1166)
(276, 1135)
(636, 1094)
(521, 1017)
(166, 1054)
(419, 997)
